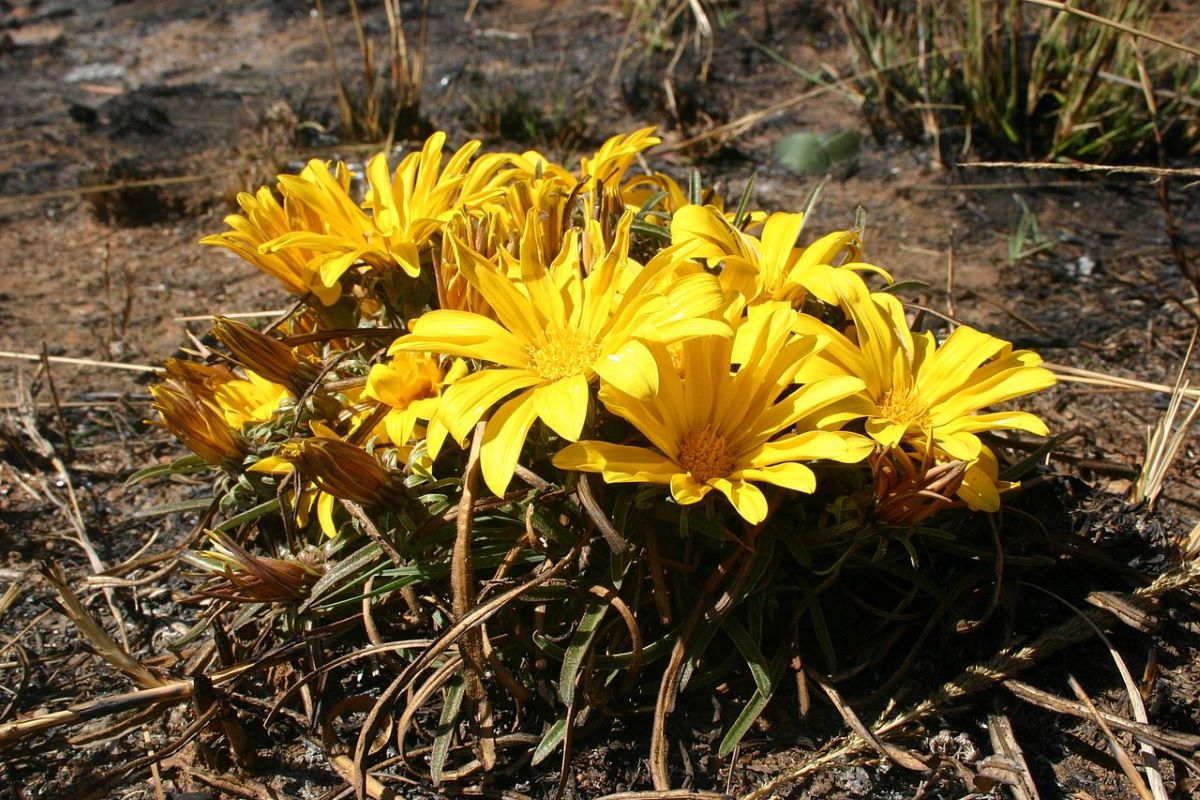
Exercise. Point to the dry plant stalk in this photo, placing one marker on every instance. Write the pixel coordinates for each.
(1165, 439)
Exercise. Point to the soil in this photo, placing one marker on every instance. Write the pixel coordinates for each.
(198, 100)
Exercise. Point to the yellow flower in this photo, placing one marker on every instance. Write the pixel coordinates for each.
(250, 401)
(343, 234)
(266, 220)
(412, 384)
(615, 156)
(716, 423)
(925, 395)
(771, 267)
(558, 328)
(414, 203)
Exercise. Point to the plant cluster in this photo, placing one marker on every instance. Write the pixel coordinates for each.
(687, 425)
(1013, 77)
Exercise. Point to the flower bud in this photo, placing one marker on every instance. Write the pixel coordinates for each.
(340, 469)
(264, 355)
(199, 424)
(908, 491)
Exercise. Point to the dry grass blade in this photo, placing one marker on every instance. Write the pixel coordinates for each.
(174, 692)
(1159, 737)
(1112, 169)
(83, 362)
(1190, 546)
(1165, 439)
(106, 647)
(1091, 378)
(1118, 751)
(894, 754)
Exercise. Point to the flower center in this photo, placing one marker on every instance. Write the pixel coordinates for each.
(421, 378)
(705, 455)
(563, 353)
(904, 407)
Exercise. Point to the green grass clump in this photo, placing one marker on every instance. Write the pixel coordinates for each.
(1009, 76)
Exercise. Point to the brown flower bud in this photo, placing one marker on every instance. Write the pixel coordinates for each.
(264, 355)
(909, 490)
(199, 424)
(340, 469)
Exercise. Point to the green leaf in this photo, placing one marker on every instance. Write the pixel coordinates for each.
(750, 651)
(755, 707)
(181, 466)
(249, 515)
(581, 642)
(741, 725)
(445, 730)
(182, 507)
(808, 153)
(549, 742)
(346, 573)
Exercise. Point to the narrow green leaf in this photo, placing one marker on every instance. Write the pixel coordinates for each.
(741, 725)
(181, 466)
(550, 741)
(445, 730)
(581, 642)
(755, 707)
(182, 507)
(344, 573)
(249, 515)
(750, 651)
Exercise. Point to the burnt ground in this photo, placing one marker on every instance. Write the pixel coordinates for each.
(203, 99)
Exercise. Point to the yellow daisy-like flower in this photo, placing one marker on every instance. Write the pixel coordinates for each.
(716, 423)
(923, 394)
(250, 401)
(556, 329)
(772, 267)
(264, 219)
(343, 233)
(412, 384)
(615, 156)
(413, 203)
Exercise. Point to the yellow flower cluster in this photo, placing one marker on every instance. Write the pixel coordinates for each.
(600, 321)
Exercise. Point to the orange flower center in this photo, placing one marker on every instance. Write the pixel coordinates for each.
(705, 455)
(561, 353)
(904, 407)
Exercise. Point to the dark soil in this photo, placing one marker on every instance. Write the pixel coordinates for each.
(194, 101)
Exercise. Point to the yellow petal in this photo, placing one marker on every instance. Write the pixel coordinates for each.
(563, 405)
(325, 506)
(999, 420)
(503, 439)
(631, 369)
(747, 498)
(468, 400)
(789, 475)
(466, 334)
(272, 465)
(618, 463)
(886, 431)
(686, 491)
(979, 491)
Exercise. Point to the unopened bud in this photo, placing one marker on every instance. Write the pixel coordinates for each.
(264, 355)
